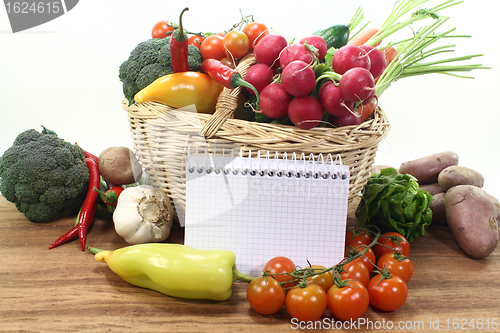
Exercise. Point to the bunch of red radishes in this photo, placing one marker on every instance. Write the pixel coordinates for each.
(294, 81)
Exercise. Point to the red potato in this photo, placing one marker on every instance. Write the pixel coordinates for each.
(438, 209)
(305, 112)
(433, 188)
(318, 42)
(274, 101)
(459, 175)
(298, 78)
(260, 76)
(473, 220)
(268, 49)
(426, 169)
(295, 52)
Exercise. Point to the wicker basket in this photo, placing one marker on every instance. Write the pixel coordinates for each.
(161, 136)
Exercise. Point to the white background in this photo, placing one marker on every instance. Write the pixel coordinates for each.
(64, 74)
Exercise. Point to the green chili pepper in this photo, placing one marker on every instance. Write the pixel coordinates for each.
(175, 270)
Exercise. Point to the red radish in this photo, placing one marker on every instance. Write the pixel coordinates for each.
(259, 75)
(305, 112)
(268, 50)
(350, 56)
(295, 52)
(274, 101)
(331, 99)
(298, 78)
(378, 63)
(370, 98)
(318, 42)
(347, 119)
(357, 84)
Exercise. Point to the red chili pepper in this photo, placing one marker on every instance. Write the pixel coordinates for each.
(73, 233)
(89, 155)
(90, 204)
(225, 75)
(179, 48)
(110, 197)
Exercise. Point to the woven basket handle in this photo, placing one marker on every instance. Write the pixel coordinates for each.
(227, 101)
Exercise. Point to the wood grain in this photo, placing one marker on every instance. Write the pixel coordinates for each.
(66, 290)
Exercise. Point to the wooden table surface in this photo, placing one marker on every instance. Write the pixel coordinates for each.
(66, 290)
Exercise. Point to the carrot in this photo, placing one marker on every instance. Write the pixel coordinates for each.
(363, 37)
(390, 53)
(366, 111)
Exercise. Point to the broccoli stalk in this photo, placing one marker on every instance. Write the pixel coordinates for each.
(43, 175)
(148, 61)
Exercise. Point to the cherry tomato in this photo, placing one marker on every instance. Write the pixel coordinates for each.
(386, 244)
(348, 302)
(306, 304)
(195, 40)
(387, 294)
(368, 259)
(160, 28)
(356, 270)
(265, 295)
(236, 44)
(355, 237)
(324, 280)
(396, 265)
(279, 265)
(255, 31)
(212, 47)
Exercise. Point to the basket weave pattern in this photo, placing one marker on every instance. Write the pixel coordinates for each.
(161, 137)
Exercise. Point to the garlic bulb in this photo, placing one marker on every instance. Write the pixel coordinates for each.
(143, 214)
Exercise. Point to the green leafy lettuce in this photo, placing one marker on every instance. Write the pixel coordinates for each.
(394, 202)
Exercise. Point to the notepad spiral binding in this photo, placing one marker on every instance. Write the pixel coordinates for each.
(310, 166)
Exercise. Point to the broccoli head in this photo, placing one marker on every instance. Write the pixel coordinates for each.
(148, 61)
(43, 175)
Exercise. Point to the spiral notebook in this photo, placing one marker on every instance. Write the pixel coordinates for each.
(267, 205)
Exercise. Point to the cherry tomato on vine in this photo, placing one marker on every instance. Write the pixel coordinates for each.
(386, 244)
(265, 295)
(255, 31)
(160, 28)
(368, 259)
(236, 44)
(324, 280)
(348, 302)
(279, 265)
(387, 294)
(195, 40)
(356, 270)
(396, 264)
(306, 304)
(212, 47)
(355, 237)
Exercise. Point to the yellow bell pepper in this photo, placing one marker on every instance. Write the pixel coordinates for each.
(183, 89)
(175, 270)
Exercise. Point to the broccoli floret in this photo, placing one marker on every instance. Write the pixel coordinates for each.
(194, 58)
(148, 61)
(43, 175)
(149, 73)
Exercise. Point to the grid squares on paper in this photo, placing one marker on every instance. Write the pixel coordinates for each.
(259, 217)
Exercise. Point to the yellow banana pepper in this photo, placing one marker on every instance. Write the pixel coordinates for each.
(175, 270)
(183, 89)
